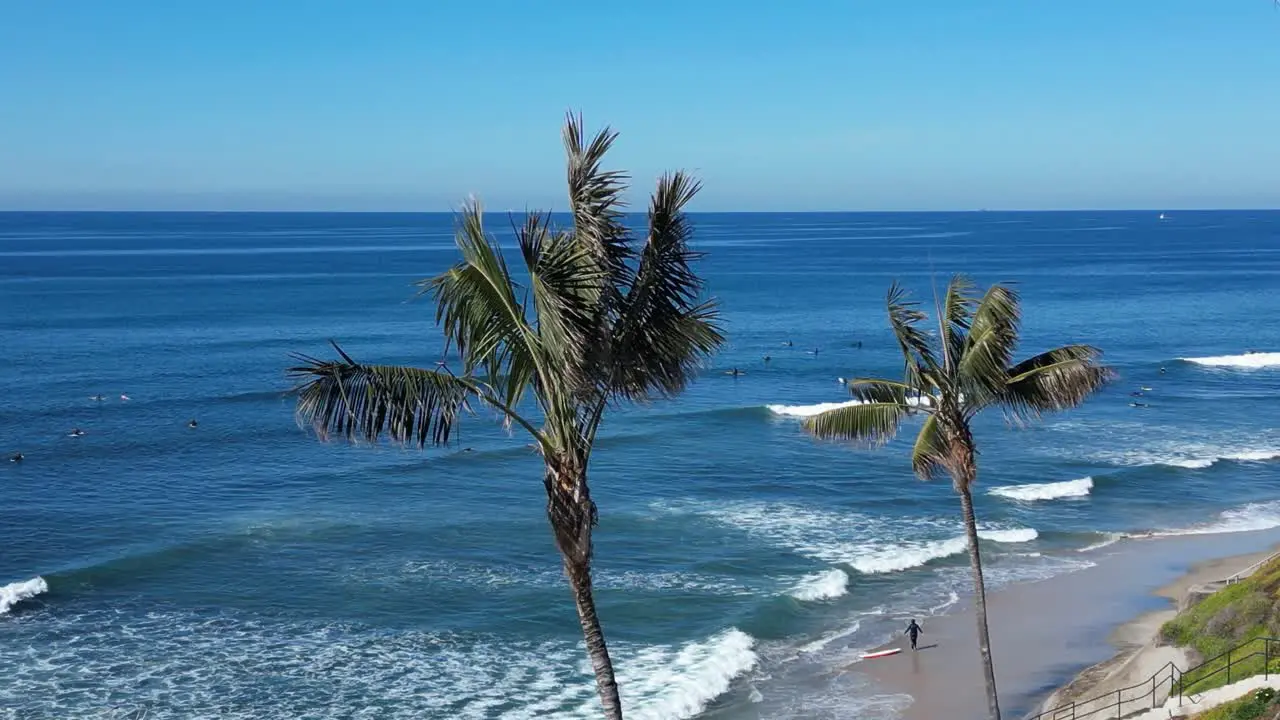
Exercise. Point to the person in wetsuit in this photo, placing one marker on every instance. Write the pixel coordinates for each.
(913, 630)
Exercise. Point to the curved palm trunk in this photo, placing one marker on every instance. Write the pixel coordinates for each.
(593, 636)
(573, 515)
(979, 596)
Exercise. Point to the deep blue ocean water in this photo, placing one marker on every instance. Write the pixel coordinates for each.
(239, 569)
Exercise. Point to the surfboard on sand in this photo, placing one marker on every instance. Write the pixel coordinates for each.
(880, 654)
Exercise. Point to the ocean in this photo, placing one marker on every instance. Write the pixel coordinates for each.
(240, 569)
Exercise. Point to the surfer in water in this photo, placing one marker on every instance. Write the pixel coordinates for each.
(76, 432)
(767, 359)
(17, 457)
(788, 343)
(734, 372)
(1138, 405)
(913, 631)
(193, 424)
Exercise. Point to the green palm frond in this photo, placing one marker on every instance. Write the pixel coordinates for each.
(921, 365)
(956, 316)
(566, 287)
(595, 199)
(364, 402)
(1059, 379)
(876, 390)
(477, 308)
(929, 454)
(866, 424)
(982, 372)
(665, 327)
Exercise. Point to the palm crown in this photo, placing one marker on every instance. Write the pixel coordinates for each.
(963, 369)
(601, 316)
(597, 319)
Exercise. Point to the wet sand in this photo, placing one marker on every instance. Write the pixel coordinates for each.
(1045, 633)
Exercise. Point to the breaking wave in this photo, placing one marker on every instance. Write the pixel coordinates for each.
(1046, 491)
(1195, 458)
(1247, 361)
(1108, 539)
(185, 665)
(883, 545)
(14, 593)
(1247, 518)
(822, 586)
(804, 411)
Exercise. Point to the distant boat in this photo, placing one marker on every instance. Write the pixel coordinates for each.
(1161, 216)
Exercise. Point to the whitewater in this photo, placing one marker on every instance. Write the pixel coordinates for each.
(221, 570)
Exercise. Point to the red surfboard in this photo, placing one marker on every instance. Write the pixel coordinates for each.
(880, 654)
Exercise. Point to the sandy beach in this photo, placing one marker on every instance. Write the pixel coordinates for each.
(1095, 625)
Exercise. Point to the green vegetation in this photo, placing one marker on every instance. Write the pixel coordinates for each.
(1241, 613)
(1255, 706)
(598, 316)
(951, 376)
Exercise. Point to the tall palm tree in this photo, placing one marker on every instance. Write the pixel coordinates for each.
(950, 377)
(602, 317)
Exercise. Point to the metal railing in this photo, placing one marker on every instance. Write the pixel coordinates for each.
(1251, 569)
(1128, 700)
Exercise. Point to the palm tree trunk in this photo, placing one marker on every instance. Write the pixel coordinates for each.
(593, 635)
(573, 515)
(979, 597)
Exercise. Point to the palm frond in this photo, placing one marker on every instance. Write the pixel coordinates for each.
(921, 365)
(875, 390)
(983, 368)
(363, 402)
(595, 199)
(1059, 379)
(956, 317)
(665, 327)
(477, 308)
(929, 454)
(867, 424)
(566, 286)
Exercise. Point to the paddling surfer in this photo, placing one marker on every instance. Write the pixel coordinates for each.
(913, 630)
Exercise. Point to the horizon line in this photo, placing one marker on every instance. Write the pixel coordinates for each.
(15, 211)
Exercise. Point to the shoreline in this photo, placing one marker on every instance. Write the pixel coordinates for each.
(1139, 653)
(1072, 636)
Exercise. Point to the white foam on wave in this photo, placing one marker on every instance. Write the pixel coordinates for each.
(681, 686)
(868, 544)
(895, 558)
(804, 411)
(829, 638)
(1192, 456)
(1247, 361)
(1108, 539)
(1247, 518)
(484, 576)
(821, 586)
(14, 593)
(1046, 491)
(181, 665)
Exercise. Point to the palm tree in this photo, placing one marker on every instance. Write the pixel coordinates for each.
(951, 377)
(602, 317)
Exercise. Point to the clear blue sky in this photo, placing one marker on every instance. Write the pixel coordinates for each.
(800, 105)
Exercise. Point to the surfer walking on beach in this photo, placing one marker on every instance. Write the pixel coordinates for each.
(913, 630)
